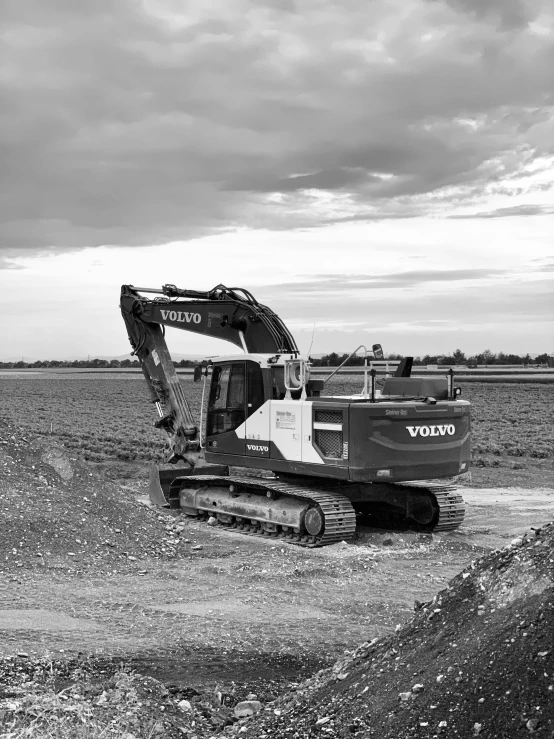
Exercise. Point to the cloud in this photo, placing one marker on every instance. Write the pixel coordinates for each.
(511, 211)
(9, 264)
(137, 123)
(496, 309)
(409, 279)
(510, 14)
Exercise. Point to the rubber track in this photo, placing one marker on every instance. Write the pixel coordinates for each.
(451, 504)
(340, 517)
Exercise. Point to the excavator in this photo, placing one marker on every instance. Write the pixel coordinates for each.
(273, 455)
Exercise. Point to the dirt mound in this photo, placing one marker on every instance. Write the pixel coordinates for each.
(57, 512)
(477, 660)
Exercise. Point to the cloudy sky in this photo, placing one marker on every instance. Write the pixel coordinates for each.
(382, 170)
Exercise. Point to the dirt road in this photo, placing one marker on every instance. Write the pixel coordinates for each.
(259, 612)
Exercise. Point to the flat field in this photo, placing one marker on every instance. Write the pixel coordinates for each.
(107, 418)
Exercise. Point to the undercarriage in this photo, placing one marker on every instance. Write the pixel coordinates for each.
(311, 514)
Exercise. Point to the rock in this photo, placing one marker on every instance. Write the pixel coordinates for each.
(211, 522)
(388, 542)
(197, 547)
(59, 461)
(533, 724)
(323, 720)
(251, 697)
(185, 705)
(405, 696)
(244, 709)
(418, 688)
(477, 729)
(516, 542)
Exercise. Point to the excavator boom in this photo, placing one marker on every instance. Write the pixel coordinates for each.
(231, 314)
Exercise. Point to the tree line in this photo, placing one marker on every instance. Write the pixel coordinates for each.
(457, 357)
(84, 364)
(333, 359)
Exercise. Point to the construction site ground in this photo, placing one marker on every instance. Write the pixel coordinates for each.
(91, 572)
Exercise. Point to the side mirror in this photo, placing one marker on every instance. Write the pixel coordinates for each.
(378, 351)
(198, 373)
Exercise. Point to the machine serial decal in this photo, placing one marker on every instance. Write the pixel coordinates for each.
(285, 420)
(449, 429)
(181, 316)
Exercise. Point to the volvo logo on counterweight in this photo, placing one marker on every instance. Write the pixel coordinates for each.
(441, 430)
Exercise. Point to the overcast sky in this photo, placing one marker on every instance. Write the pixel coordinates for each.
(383, 169)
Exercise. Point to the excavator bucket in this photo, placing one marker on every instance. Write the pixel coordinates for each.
(161, 477)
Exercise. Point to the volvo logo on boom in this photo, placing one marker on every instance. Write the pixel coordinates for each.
(181, 316)
(441, 430)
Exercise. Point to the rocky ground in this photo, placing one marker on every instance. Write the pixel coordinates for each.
(114, 615)
(476, 660)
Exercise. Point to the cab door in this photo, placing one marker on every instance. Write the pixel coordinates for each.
(257, 413)
(226, 408)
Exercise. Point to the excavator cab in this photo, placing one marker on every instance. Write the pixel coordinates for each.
(237, 390)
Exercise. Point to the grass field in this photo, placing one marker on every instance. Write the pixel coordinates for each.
(106, 417)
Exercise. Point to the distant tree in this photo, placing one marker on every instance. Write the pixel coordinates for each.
(486, 357)
(115, 363)
(330, 360)
(542, 358)
(430, 359)
(459, 357)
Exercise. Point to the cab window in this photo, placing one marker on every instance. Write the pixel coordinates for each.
(226, 405)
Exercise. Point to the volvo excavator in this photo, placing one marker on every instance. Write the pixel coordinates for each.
(271, 454)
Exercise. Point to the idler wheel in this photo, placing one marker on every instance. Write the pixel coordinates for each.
(421, 509)
(314, 521)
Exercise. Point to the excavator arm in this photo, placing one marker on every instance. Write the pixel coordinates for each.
(232, 314)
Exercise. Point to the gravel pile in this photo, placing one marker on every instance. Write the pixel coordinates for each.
(477, 660)
(58, 513)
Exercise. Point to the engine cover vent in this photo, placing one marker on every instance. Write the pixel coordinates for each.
(329, 443)
(325, 416)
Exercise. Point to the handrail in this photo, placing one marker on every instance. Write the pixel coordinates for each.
(362, 346)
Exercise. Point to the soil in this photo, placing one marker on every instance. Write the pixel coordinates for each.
(93, 576)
